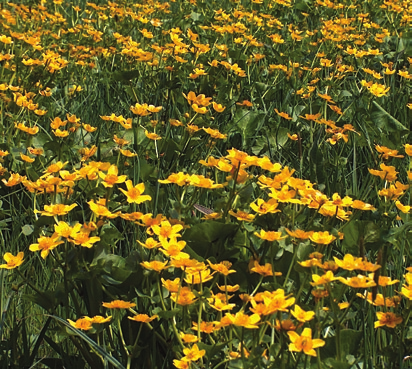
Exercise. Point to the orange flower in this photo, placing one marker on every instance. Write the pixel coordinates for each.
(283, 115)
(386, 152)
(118, 304)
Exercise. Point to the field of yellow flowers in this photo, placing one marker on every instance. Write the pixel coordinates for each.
(206, 184)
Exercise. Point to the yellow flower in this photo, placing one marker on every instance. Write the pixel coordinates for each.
(360, 281)
(193, 354)
(118, 304)
(152, 136)
(222, 268)
(242, 215)
(84, 324)
(243, 320)
(101, 210)
(302, 315)
(185, 297)
(218, 107)
(304, 342)
(56, 209)
(388, 319)
(111, 177)
(98, 319)
(26, 158)
(322, 238)
(46, 244)
(12, 261)
(155, 265)
(200, 110)
(264, 270)
(143, 318)
(134, 194)
(408, 149)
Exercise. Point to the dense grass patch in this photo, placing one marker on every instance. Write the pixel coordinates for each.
(206, 184)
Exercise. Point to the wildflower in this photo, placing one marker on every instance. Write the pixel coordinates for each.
(57, 209)
(134, 194)
(218, 107)
(188, 338)
(193, 354)
(101, 210)
(143, 318)
(155, 265)
(349, 262)
(150, 243)
(298, 233)
(83, 324)
(185, 297)
(388, 319)
(242, 215)
(152, 136)
(264, 270)
(12, 261)
(46, 244)
(180, 364)
(270, 235)
(360, 281)
(322, 238)
(408, 149)
(261, 207)
(324, 279)
(111, 177)
(302, 315)
(223, 267)
(386, 152)
(219, 302)
(13, 180)
(98, 319)
(304, 342)
(195, 276)
(171, 286)
(118, 304)
(214, 133)
(228, 288)
(243, 320)
(26, 158)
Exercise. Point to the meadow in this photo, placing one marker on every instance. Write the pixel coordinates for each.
(206, 184)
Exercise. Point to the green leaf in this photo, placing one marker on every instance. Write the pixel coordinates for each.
(335, 364)
(386, 121)
(27, 229)
(210, 231)
(168, 314)
(248, 122)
